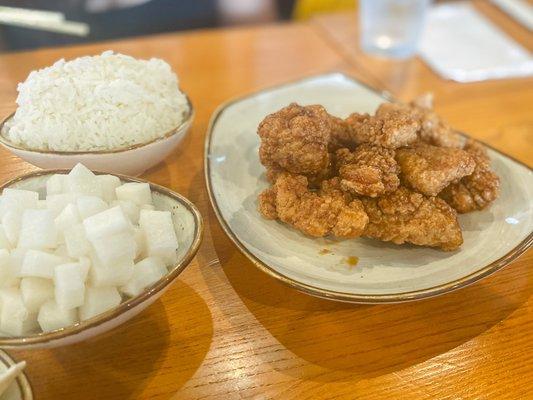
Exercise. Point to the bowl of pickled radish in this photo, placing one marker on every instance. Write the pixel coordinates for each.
(81, 252)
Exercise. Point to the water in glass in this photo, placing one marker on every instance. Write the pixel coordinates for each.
(392, 28)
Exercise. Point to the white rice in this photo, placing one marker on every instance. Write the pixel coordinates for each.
(104, 102)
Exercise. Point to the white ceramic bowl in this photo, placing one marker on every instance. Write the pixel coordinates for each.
(189, 227)
(133, 160)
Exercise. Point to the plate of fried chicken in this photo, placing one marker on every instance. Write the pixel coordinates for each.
(338, 191)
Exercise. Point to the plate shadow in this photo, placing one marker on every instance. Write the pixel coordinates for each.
(364, 341)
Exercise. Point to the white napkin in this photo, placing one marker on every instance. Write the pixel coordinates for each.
(520, 10)
(459, 44)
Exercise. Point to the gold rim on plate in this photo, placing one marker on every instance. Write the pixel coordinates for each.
(46, 337)
(189, 115)
(332, 294)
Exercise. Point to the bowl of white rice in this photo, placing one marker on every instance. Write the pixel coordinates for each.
(111, 112)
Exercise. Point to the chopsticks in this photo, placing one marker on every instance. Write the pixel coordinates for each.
(42, 20)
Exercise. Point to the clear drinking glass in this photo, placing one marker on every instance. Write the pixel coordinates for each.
(391, 28)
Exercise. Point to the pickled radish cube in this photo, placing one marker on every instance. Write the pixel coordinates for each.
(7, 273)
(85, 266)
(147, 207)
(11, 215)
(15, 319)
(62, 251)
(81, 180)
(69, 285)
(57, 202)
(111, 249)
(67, 218)
(116, 275)
(90, 205)
(56, 184)
(41, 205)
(51, 316)
(11, 221)
(4, 206)
(76, 241)
(17, 256)
(19, 198)
(40, 264)
(99, 300)
(5, 259)
(130, 209)
(37, 230)
(106, 223)
(36, 291)
(145, 273)
(137, 192)
(161, 240)
(140, 241)
(108, 183)
(5, 264)
(26, 197)
(4, 241)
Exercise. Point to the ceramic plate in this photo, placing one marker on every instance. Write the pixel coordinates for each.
(385, 272)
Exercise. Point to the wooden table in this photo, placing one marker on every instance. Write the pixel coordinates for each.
(226, 330)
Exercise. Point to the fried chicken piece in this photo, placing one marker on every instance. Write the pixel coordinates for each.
(314, 181)
(272, 174)
(392, 126)
(397, 125)
(475, 191)
(328, 211)
(267, 203)
(296, 139)
(433, 129)
(341, 135)
(429, 169)
(406, 216)
(369, 171)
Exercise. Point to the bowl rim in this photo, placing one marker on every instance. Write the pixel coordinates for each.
(22, 380)
(189, 116)
(47, 337)
(330, 294)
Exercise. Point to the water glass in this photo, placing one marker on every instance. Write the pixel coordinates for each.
(392, 28)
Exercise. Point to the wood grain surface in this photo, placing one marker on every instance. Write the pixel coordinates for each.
(227, 331)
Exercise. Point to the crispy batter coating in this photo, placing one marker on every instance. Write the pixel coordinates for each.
(433, 129)
(328, 211)
(369, 171)
(392, 126)
(341, 135)
(429, 169)
(314, 181)
(272, 173)
(267, 203)
(296, 139)
(396, 125)
(475, 191)
(405, 216)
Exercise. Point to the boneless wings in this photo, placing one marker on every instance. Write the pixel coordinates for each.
(400, 175)
(316, 213)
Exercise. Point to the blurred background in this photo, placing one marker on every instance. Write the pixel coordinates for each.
(452, 36)
(111, 19)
